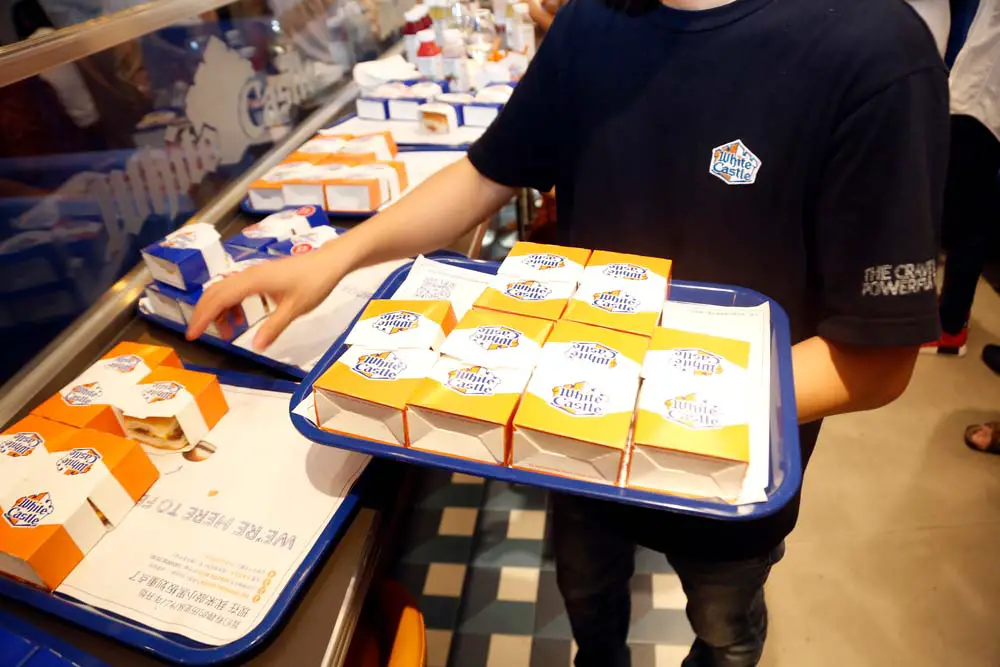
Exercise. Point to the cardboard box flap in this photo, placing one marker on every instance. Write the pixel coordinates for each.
(498, 340)
(544, 262)
(472, 391)
(594, 349)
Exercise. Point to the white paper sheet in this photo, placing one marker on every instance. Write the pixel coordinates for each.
(409, 132)
(310, 336)
(754, 326)
(208, 550)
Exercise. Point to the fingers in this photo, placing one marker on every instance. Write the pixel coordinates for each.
(222, 296)
(275, 323)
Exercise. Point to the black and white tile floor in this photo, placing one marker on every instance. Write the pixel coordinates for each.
(478, 557)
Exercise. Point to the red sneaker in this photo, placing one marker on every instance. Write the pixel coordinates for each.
(951, 344)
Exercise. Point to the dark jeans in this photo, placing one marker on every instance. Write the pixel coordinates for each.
(971, 213)
(594, 563)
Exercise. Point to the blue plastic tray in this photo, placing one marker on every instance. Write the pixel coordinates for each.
(24, 645)
(786, 465)
(177, 648)
(262, 359)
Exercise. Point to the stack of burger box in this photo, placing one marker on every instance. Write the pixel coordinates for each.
(72, 469)
(334, 172)
(570, 363)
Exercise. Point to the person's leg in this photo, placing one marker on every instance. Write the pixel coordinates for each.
(594, 564)
(971, 207)
(726, 608)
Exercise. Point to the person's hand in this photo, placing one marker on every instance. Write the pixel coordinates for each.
(297, 284)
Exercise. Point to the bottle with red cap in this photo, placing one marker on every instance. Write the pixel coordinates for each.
(417, 19)
(430, 61)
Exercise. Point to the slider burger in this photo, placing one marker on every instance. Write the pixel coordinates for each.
(172, 410)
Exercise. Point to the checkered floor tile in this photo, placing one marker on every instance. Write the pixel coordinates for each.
(478, 557)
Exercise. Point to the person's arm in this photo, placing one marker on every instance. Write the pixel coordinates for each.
(539, 15)
(520, 149)
(874, 243)
(443, 208)
(833, 378)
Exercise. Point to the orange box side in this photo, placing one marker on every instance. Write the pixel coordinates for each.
(204, 387)
(97, 417)
(54, 433)
(373, 184)
(153, 355)
(48, 550)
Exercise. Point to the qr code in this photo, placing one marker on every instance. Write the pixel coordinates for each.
(435, 289)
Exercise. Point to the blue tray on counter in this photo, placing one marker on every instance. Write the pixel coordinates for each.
(177, 648)
(256, 357)
(786, 465)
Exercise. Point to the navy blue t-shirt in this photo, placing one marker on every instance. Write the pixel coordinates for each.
(795, 147)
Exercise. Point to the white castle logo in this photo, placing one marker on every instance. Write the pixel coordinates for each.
(543, 261)
(83, 394)
(579, 399)
(623, 271)
(734, 164)
(20, 444)
(396, 321)
(379, 366)
(496, 338)
(616, 301)
(126, 363)
(78, 461)
(28, 511)
(696, 361)
(473, 381)
(160, 391)
(693, 413)
(593, 353)
(527, 290)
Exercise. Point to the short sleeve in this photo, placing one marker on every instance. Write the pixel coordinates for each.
(522, 147)
(877, 222)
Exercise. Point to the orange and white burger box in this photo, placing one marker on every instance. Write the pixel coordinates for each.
(52, 518)
(364, 393)
(25, 446)
(465, 410)
(86, 402)
(266, 193)
(576, 415)
(622, 292)
(171, 410)
(526, 296)
(693, 424)
(363, 188)
(373, 147)
(397, 325)
(539, 261)
(497, 340)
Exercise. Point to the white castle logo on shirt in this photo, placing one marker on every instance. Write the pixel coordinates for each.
(496, 338)
(28, 511)
(623, 271)
(78, 461)
(693, 413)
(160, 391)
(396, 321)
(379, 366)
(126, 363)
(616, 301)
(527, 290)
(473, 381)
(20, 444)
(696, 361)
(579, 399)
(543, 261)
(593, 353)
(734, 164)
(83, 394)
